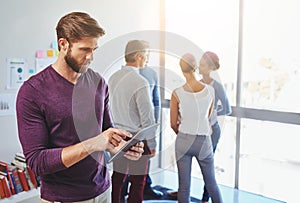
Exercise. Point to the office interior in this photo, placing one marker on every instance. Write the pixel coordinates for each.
(257, 159)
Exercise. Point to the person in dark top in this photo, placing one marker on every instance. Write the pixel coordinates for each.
(64, 123)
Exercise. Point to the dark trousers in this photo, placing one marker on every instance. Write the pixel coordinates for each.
(215, 136)
(147, 184)
(136, 172)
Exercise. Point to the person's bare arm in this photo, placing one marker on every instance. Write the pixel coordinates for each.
(107, 140)
(174, 112)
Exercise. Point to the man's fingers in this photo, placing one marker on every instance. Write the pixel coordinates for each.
(115, 138)
(115, 142)
(140, 144)
(137, 149)
(133, 155)
(122, 133)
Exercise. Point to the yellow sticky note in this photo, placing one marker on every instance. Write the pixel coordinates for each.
(50, 53)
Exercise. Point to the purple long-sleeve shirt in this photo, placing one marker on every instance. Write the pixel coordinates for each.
(53, 113)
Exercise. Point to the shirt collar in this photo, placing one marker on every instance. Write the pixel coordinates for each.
(131, 68)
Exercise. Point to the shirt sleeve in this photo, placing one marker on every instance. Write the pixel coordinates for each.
(156, 100)
(144, 106)
(33, 134)
(220, 95)
(107, 120)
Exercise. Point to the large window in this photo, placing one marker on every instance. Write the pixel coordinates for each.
(270, 60)
(209, 26)
(202, 26)
(257, 42)
(269, 161)
(270, 66)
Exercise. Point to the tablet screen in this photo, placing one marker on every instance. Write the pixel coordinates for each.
(139, 136)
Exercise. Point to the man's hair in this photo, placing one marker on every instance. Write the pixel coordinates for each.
(134, 47)
(76, 26)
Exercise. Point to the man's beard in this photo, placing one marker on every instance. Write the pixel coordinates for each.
(71, 61)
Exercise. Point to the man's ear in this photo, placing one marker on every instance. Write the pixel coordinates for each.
(139, 56)
(63, 44)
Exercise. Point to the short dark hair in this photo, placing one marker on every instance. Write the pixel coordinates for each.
(78, 25)
(134, 47)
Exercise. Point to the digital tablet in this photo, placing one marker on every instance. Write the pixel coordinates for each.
(139, 136)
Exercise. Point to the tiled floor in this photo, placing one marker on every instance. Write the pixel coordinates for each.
(168, 179)
(230, 195)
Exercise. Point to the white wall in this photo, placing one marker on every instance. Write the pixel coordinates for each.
(27, 26)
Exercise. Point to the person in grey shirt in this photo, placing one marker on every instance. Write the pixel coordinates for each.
(131, 110)
(151, 76)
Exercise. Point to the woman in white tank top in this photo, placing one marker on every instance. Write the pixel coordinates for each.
(193, 104)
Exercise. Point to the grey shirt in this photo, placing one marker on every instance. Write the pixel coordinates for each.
(130, 102)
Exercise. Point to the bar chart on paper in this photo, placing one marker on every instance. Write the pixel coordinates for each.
(7, 104)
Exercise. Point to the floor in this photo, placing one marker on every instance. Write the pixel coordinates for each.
(168, 179)
(230, 195)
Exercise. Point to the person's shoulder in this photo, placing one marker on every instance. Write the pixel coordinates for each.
(148, 71)
(94, 76)
(210, 88)
(35, 84)
(177, 90)
(119, 74)
(217, 84)
(126, 77)
(38, 80)
(178, 93)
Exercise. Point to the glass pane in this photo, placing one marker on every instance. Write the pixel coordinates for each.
(168, 142)
(271, 63)
(270, 161)
(209, 26)
(225, 152)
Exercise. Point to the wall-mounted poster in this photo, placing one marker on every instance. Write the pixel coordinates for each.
(16, 72)
(7, 104)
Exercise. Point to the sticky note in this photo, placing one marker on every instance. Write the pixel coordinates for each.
(50, 53)
(31, 71)
(39, 54)
(54, 45)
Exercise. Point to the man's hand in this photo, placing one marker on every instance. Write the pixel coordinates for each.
(118, 148)
(152, 153)
(107, 140)
(135, 152)
(110, 139)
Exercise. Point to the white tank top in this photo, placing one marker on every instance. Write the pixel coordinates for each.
(194, 109)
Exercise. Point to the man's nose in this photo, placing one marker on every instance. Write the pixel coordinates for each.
(90, 56)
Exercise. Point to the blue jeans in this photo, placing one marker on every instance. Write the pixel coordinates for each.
(198, 146)
(215, 136)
